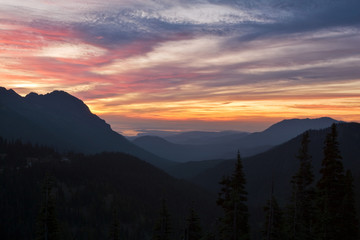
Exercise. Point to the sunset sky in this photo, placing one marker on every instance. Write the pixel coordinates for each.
(188, 64)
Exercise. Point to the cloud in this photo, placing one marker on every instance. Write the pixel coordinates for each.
(306, 17)
(183, 59)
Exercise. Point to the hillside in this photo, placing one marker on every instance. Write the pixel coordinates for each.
(87, 189)
(64, 122)
(279, 164)
(176, 152)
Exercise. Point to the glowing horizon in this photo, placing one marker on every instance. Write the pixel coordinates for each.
(183, 65)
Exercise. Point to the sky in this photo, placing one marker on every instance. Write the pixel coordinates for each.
(188, 65)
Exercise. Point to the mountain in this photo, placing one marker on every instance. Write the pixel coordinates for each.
(175, 152)
(189, 170)
(157, 133)
(88, 188)
(279, 164)
(203, 138)
(61, 120)
(281, 132)
(287, 129)
(198, 146)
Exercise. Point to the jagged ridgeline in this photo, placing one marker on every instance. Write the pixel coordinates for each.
(64, 122)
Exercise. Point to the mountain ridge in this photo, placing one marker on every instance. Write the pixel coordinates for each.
(279, 163)
(188, 149)
(65, 122)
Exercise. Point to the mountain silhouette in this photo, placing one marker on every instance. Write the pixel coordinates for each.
(279, 164)
(287, 129)
(193, 146)
(63, 121)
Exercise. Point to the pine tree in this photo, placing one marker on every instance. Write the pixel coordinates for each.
(47, 224)
(331, 190)
(350, 223)
(232, 198)
(193, 229)
(115, 226)
(301, 209)
(274, 227)
(162, 230)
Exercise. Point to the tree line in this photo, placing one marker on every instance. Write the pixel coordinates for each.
(317, 210)
(102, 196)
(322, 210)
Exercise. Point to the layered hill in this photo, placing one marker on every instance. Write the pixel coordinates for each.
(64, 122)
(203, 138)
(275, 168)
(198, 146)
(176, 152)
(279, 164)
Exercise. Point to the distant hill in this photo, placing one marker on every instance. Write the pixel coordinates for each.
(203, 138)
(64, 122)
(175, 152)
(198, 146)
(279, 164)
(285, 130)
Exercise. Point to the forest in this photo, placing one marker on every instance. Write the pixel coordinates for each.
(45, 194)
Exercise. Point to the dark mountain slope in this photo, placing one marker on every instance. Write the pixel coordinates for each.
(279, 164)
(189, 170)
(65, 122)
(87, 188)
(176, 152)
(285, 130)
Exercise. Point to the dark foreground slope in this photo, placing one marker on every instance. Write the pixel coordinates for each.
(64, 122)
(87, 189)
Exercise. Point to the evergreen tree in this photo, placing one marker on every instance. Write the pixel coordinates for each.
(47, 224)
(162, 230)
(301, 209)
(209, 236)
(232, 198)
(331, 191)
(193, 229)
(115, 226)
(274, 227)
(350, 223)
